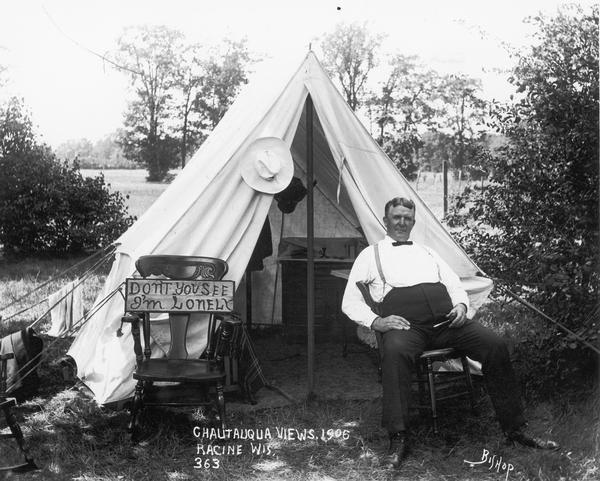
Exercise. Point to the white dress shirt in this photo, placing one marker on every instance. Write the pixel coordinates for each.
(403, 266)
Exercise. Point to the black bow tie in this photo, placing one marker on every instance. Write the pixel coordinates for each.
(402, 243)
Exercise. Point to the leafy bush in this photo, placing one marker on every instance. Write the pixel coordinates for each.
(536, 223)
(47, 206)
(543, 366)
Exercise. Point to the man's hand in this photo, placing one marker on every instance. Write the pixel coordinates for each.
(458, 316)
(384, 324)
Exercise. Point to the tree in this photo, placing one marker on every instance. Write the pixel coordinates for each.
(349, 55)
(437, 149)
(404, 110)
(416, 103)
(406, 102)
(208, 81)
(150, 55)
(77, 149)
(105, 153)
(536, 223)
(225, 71)
(190, 75)
(47, 206)
(462, 114)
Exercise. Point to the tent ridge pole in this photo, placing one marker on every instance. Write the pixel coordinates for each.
(310, 264)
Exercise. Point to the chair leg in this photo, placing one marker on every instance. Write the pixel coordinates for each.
(136, 407)
(379, 357)
(421, 381)
(221, 404)
(469, 381)
(15, 429)
(341, 320)
(432, 395)
(250, 397)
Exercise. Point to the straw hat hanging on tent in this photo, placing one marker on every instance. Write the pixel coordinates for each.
(268, 165)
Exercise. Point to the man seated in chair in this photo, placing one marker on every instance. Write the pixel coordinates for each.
(417, 290)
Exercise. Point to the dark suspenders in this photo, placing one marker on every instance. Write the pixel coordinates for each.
(378, 262)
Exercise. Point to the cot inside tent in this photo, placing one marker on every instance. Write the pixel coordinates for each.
(209, 210)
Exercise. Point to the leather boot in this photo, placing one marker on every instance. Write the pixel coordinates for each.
(525, 438)
(397, 451)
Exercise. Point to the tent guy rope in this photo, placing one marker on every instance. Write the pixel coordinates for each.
(527, 304)
(21, 373)
(52, 279)
(82, 279)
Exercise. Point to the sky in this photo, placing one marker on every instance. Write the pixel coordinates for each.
(73, 94)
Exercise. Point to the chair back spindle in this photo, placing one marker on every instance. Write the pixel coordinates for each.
(179, 325)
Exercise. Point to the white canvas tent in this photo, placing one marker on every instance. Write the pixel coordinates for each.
(209, 210)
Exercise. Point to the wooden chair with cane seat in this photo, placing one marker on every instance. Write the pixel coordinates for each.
(435, 386)
(433, 383)
(6, 405)
(180, 286)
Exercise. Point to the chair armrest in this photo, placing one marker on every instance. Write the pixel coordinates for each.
(134, 320)
(226, 337)
(364, 290)
(375, 307)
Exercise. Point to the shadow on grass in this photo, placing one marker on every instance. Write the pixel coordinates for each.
(73, 438)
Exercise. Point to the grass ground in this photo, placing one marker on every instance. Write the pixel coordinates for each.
(73, 438)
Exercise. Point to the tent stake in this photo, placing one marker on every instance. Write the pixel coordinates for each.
(310, 261)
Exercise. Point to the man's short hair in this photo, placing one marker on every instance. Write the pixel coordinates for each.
(396, 201)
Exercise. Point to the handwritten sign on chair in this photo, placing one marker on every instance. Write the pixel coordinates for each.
(162, 295)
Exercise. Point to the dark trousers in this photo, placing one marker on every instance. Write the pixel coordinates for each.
(401, 349)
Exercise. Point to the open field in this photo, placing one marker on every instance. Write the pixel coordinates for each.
(72, 438)
(131, 183)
